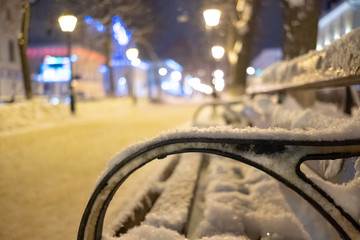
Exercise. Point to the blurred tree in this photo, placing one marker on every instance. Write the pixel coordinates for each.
(300, 33)
(240, 41)
(23, 36)
(300, 26)
(137, 16)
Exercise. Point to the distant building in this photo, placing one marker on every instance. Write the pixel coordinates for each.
(51, 77)
(88, 61)
(165, 76)
(130, 78)
(337, 22)
(47, 51)
(11, 84)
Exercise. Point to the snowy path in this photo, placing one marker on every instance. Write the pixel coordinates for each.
(48, 174)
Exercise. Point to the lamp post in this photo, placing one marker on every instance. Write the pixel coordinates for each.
(67, 24)
(132, 54)
(212, 19)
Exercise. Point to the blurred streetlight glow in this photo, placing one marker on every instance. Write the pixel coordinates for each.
(132, 54)
(217, 52)
(250, 71)
(176, 76)
(212, 17)
(162, 71)
(219, 73)
(219, 84)
(67, 23)
(194, 82)
(205, 89)
(136, 62)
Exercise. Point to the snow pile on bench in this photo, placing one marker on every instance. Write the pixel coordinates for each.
(243, 201)
(262, 112)
(172, 206)
(347, 195)
(338, 61)
(339, 130)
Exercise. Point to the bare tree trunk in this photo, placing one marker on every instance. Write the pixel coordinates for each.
(300, 27)
(154, 58)
(108, 56)
(244, 56)
(300, 35)
(22, 43)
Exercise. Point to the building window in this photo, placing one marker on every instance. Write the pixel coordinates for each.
(11, 51)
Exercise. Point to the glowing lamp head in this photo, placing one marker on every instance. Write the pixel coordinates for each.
(162, 71)
(212, 17)
(250, 71)
(217, 52)
(67, 23)
(218, 73)
(176, 75)
(132, 54)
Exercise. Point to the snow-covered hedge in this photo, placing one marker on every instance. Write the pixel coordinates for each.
(27, 114)
(39, 113)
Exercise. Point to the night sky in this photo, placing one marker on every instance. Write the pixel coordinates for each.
(180, 29)
(186, 41)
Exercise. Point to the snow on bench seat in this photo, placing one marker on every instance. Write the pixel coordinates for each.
(141, 203)
(336, 65)
(172, 209)
(243, 201)
(164, 202)
(262, 112)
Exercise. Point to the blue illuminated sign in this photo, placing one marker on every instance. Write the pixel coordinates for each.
(54, 69)
(173, 65)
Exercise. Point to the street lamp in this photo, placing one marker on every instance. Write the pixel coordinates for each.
(67, 24)
(132, 54)
(217, 52)
(212, 17)
(162, 71)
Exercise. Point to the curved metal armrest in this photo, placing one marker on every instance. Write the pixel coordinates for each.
(279, 158)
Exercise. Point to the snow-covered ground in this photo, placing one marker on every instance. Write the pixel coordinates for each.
(49, 165)
(39, 113)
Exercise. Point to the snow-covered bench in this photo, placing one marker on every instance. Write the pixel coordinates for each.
(336, 65)
(278, 151)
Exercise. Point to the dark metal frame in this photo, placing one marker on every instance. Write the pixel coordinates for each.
(247, 151)
(214, 104)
